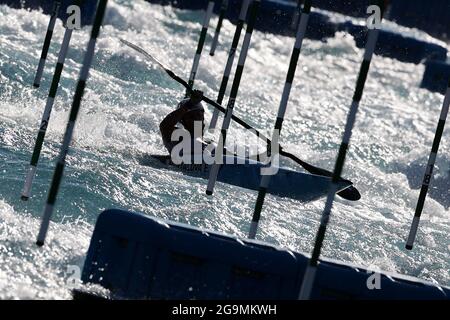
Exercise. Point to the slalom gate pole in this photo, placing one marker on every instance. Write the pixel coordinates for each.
(47, 41)
(201, 44)
(311, 269)
(230, 61)
(429, 171)
(265, 179)
(297, 14)
(223, 11)
(79, 92)
(233, 95)
(26, 193)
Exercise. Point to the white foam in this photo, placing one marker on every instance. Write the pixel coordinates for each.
(127, 97)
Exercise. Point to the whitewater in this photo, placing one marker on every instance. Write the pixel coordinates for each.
(127, 97)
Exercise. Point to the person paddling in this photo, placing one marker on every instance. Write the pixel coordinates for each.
(190, 113)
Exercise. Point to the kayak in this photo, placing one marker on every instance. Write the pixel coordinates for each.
(246, 173)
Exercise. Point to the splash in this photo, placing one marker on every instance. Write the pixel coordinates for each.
(127, 97)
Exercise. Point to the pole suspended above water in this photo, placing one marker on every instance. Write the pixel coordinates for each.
(47, 41)
(311, 269)
(233, 94)
(223, 11)
(79, 92)
(429, 171)
(230, 61)
(201, 44)
(265, 179)
(26, 193)
(297, 14)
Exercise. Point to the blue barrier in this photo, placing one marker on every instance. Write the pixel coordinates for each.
(436, 76)
(396, 46)
(276, 17)
(410, 13)
(138, 257)
(346, 7)
(432, 16)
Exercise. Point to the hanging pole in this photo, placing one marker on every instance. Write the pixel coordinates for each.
(201, 44)
(230, 61)
(311, 269)
(58, 174)
(223, 11)
(429, 172)
(47, 41)
(297, 14)
(233, 95)
(265, 179)
(26, 193)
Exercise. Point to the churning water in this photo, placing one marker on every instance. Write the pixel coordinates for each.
(126, 98)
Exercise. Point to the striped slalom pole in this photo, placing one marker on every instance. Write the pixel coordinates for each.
(265, 179)
(201, 44)
(429, 172)
(297, 14)
(311, 269)
(223, 11)
(234, 92)
(47, 41)
(58, 174)
(230, 61)
(26, 193)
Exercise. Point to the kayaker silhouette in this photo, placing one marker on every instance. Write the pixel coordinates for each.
(190, 113)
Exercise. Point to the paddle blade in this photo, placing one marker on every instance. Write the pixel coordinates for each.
(351, 194)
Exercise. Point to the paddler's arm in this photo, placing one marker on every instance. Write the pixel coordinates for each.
(168, 125)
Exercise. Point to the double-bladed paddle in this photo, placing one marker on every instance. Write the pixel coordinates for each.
(350, 193)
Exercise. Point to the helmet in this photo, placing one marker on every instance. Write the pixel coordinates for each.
(194, 102)
(196, 96)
